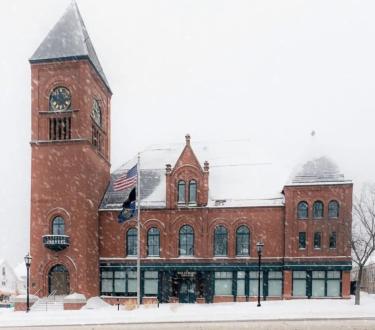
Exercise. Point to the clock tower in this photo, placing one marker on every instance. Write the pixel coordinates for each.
(70, 165)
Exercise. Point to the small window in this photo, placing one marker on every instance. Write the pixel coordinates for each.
(181, 192)
(58, 226)
(96, 113)
(4, 272)
(302, 210)
(333, 209)
(193, 192)
(131, 240)
(153, 242)
(318, 210)
(317, 240)
(186, 241)
(220, 241)
(242, 241)
(302, 240)
(332, 240)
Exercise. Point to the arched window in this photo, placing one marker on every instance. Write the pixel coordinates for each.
(186, 241)
(58, 226)
(193, 192)
(153, 242)
(333, 209)
(221, 241)
(302, 210)
(318, 210)
(242, 241)
(181, 192)
(131, 242)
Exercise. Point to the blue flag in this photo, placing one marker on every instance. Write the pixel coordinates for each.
(129, 208)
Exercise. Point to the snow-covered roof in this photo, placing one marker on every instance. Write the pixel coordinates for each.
(320, 170)
(241, 174)
(69, 40)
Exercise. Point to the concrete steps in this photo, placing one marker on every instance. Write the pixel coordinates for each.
(45, 304)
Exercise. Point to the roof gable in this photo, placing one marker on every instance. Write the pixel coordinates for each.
(69, 40)
(187, 156)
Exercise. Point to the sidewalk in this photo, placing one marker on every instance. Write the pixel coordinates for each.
(317, 309)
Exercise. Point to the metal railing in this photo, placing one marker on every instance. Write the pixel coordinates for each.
(56, 242)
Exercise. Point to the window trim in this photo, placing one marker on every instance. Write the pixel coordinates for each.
(181, 183)
(55, 218)
(320, 240)
(247, 234)
(133, 229)
(225, 235)
(307, 210)
(191, 183)
(313, 210)
(338, 209)
(149, 235)
(299, 240)
(186, 234)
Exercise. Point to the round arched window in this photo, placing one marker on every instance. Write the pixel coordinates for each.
(58, 226)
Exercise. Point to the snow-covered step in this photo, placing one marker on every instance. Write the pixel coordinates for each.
(55, 303)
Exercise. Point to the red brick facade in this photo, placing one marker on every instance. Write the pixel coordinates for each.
(69, 177)
(79, 247)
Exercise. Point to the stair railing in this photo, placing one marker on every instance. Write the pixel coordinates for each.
(52, 294)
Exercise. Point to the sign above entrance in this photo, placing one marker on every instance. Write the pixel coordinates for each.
(186, 274)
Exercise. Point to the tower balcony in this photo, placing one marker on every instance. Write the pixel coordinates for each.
(56, 242)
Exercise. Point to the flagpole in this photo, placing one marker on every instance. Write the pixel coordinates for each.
(138, 231)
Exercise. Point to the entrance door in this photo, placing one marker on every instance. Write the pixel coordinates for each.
(187, 291)
(58, 280)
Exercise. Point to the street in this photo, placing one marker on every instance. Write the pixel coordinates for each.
(360, 324)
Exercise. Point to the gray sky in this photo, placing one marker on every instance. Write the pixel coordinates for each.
(271, 71)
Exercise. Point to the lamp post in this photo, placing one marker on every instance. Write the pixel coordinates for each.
(259, 246)
(28, 263)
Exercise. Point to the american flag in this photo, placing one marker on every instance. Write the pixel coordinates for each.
(127, 180)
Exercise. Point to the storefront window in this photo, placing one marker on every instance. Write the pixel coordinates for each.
(151, 283)
(132, 282)
(318, 283)
(333, 283)
(223, 283)
(299, 283)
(107, 281)
(253, 283)
(240, 283)
(275, 283)
(120, 281)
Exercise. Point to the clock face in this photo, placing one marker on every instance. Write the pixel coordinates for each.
(96, 113)
(60, 99)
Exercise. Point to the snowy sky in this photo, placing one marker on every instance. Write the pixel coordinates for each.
(269, 71)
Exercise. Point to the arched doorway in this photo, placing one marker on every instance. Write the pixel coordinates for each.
(58, 280)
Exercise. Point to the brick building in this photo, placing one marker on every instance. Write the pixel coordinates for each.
(201, 215)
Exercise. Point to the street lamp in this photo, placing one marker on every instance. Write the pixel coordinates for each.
(259, 246)
(28, 263)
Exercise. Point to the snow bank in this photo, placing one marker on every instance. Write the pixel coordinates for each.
(96, 303)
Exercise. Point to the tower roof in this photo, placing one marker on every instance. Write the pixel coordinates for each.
(69, 40)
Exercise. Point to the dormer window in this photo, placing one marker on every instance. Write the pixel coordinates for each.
(193, 192)
(181, 192)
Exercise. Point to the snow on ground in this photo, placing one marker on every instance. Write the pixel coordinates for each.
(270, 310)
